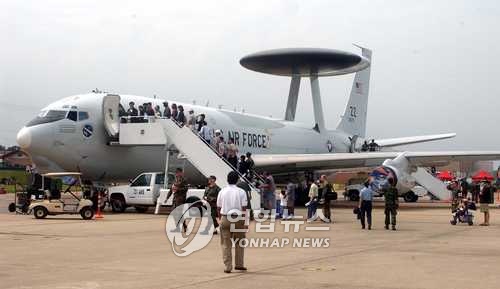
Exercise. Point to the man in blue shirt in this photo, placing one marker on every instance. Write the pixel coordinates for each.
(365, 205)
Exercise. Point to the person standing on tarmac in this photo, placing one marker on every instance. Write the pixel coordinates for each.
(179, 190)
(210, 195)
(290, 194)
(246, 187)
(326, 192)
(313, 202)
(391, 204)
(485, 199)
(365, 205)
(232, 205)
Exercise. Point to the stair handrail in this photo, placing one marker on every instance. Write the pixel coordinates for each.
(245, 179)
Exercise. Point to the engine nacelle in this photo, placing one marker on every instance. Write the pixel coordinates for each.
(398, 169)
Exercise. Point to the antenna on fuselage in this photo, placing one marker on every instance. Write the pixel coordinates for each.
(305, 62)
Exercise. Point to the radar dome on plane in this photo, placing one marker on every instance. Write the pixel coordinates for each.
(305, 62)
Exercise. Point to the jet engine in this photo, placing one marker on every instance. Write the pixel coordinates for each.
(399, 169)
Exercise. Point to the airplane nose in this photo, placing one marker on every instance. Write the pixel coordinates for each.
(24, 138)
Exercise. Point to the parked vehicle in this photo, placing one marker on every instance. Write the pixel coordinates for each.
(143, 192)
(55, 202)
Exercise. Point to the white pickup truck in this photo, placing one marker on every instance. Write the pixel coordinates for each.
(143, 192)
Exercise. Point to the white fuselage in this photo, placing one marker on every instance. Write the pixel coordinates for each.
(67, 145)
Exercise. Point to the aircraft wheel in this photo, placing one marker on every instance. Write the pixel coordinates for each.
(40, 212)
(353, 195)
(87, 213)
(12, 207)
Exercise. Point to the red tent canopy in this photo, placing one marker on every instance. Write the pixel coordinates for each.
(445, 176)
(481, 175)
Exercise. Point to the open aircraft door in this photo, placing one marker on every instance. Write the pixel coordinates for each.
(110, 110)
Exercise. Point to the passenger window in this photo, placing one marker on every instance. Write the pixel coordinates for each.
(83, 115)
(142, 181)
(72, 115)
(160, 179)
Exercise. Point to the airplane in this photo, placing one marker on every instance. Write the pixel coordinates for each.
(79, 133)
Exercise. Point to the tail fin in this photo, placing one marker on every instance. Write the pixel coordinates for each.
(354, 119)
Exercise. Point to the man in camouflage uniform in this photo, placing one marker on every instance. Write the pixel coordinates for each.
(179, 189)
(210, 195)
(391, 204)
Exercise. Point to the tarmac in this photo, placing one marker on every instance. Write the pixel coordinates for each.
(131, 250)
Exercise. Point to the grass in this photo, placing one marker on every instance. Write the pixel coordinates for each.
(19, 175)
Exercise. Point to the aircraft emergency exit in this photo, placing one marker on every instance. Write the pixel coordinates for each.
(86, 133)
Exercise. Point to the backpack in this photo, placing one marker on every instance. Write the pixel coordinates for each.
(330, 194)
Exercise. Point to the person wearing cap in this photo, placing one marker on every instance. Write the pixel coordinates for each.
(179, 190)
(166, 110)
(391, 204)
(210, 196)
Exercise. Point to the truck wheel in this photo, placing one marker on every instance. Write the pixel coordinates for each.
(40, 212)
(140, 209)
(87, 213)
(410, 197)
(118, 205)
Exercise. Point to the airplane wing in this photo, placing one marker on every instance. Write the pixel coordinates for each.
(389, 142)
(298, 162)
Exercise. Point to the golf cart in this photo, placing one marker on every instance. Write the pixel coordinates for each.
(68, 202)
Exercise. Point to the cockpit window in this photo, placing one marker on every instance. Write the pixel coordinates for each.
(83, 115)
(47, 116)
(72, 115)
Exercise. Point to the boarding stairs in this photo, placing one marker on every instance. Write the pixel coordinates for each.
(434, 186)
(202, 155)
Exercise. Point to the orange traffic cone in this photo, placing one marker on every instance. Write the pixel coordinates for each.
(98, 214)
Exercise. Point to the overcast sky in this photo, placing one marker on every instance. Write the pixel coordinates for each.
(435, 63)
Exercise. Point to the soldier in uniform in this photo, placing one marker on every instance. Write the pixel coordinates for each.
(391, 204)
(179, 189)
(210, 195)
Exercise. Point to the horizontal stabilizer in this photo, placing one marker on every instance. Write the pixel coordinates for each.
(389, 142)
